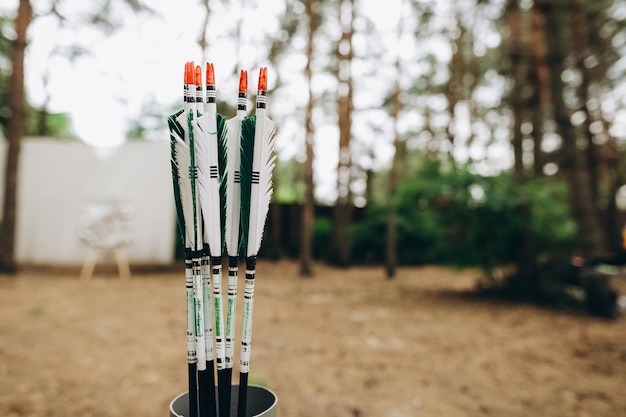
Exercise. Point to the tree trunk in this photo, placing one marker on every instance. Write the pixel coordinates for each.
(539, 74)
(15, 128)
(308, 214)
(343, 209)
(519, 23)
(591, 236)
(202, 40)
(517, 47)
(391, 258)
(611, 162)
(308, 210)
(454, 87)
(580, 36)
(537, 121)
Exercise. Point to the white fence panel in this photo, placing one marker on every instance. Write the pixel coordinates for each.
(56, 181)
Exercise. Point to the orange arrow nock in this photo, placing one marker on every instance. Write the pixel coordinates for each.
(263, 79)
(243, 81)
(198, 76)
(210, 74)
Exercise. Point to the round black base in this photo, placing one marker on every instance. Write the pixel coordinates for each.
(261, 403)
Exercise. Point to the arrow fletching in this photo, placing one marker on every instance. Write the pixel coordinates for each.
(256, 179)
(176, 131)
(181, 164)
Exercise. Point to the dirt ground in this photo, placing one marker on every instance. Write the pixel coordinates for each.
(345, 343)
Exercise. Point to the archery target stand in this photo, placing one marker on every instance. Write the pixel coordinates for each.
(91, 258)
(105, 230)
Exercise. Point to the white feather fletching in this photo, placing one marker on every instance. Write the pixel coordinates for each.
(201, 145)
(196, 242)
(233, 185)
(206, 145)
(261, 194)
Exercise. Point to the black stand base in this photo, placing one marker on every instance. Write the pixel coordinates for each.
(261, 403)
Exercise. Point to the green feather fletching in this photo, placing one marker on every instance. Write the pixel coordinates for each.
(192, 177)
(176, 130)
(248, 125)
(222, 157)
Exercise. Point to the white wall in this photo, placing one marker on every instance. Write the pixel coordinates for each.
(57, 178)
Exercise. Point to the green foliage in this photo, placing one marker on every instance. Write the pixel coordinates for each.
(38, 122)
(463, 219)
(56, 125)
(322, 235)
(288, 184)
(248, 126)
(149, 121)
(368, 236)
(5, 70)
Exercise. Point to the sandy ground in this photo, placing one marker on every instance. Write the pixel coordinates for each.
(346, 343)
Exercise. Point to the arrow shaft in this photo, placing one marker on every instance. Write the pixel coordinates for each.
(246, 336)
(191, 338)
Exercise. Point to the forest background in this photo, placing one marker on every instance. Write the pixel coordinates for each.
(483, 133)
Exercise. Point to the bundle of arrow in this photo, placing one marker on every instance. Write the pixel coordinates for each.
(221, 171)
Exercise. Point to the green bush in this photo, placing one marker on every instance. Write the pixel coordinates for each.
(461, 219)
(322, 236)
(368, 236)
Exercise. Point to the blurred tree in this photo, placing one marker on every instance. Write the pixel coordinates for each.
(517, 45)
(15, 128)
(557, 71)
(575, 163)
(465, 74)
(313, 9)
(593, 55)
(395, 172)
(39, 121)
(601, 62)
(538, 78)
(287, 187)
(343, 207)
(150, 123)
(5, 68)
(519, 98)
(202, 40)
(43, 123)
(290, 189)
